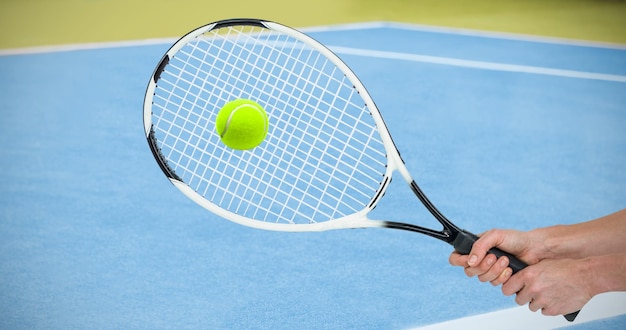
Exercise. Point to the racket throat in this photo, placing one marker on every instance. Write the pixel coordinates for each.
(443, 235)
(450, 231)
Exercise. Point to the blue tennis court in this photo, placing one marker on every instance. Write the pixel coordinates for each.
(498, 130)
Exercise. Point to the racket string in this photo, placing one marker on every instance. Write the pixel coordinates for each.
(317, 132)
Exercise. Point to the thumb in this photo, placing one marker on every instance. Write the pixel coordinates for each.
(485, 242)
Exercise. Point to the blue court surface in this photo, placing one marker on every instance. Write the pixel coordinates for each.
(498, 130)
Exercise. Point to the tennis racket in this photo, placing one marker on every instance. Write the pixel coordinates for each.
(327, 159)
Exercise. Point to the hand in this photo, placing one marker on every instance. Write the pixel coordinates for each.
(552, 286)
(490, 269)
(485, 266)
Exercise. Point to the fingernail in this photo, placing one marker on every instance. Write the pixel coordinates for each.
(503, 262)
(472, 260)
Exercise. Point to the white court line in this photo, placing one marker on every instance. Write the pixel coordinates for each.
(85, 46)
(465, 32)
(384, 54)
(347, 51)
(503, 35)
(600, 307)
(477, 64)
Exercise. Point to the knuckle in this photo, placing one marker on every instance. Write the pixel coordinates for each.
(549, 311)
(484, 278)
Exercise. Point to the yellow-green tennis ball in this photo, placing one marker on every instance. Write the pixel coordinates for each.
(242, 124)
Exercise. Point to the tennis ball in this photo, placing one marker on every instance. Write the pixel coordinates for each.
(242, 124)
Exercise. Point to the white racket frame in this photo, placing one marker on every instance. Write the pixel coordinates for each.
(355, 220)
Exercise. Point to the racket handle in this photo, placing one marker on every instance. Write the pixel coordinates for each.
(465, 240)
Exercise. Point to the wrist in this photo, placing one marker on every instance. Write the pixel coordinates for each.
(558, 242)
(547, 242)
(606, 273)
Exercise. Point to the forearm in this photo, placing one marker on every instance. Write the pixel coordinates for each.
(601, 236)
(609, 273)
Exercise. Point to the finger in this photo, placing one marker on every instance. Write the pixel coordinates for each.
(550, 310)
(495, 271)
(457, 259)
(481, 268)
(514, 284)
(534, 305)
(485, 270)
(504, 276)
(523, 298)
(485, 242)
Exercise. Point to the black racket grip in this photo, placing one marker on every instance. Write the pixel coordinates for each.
(465, 240)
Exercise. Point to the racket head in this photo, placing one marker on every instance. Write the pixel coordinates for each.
(327, 158)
